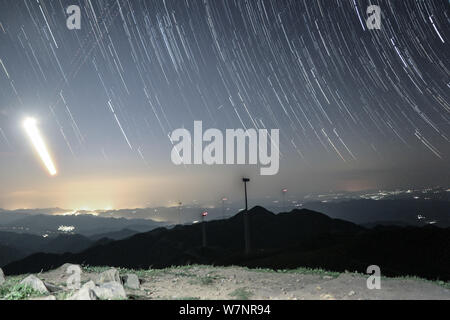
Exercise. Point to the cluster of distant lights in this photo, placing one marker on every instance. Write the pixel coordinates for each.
(380, 195)
(66, 228)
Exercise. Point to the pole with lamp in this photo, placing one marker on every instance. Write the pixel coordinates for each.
(223, 207)
(284, 191)
(204, 215)
(246, 220)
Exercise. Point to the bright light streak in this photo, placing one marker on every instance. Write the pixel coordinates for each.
(32, 130)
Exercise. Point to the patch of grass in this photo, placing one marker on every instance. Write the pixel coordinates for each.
(207, 280)
(10, 291)
(146, 273)
(95, 269)
(63, 295)
(122, 271)
(241, 294)
(142, 273)
(181, 271)
(204, 280)
(6, 287)
(300, 270)
(444, 284)
(320, 272)
(181, 274)
(186, 267)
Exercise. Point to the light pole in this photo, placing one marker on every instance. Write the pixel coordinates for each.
(223, 207)
(204, 214)
(246, 222)
(284, 191)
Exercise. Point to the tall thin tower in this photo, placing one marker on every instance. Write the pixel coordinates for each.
(246, 220)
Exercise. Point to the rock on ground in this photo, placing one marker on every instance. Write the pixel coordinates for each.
(110, 291)
(111, 275)
(67, 266)
(90, 285)
(35, 283)
(132, 281)
(85, 293)
(106, 291)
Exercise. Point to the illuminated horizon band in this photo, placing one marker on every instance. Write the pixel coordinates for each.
(39, 144)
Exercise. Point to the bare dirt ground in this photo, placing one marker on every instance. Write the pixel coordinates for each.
(227, 283)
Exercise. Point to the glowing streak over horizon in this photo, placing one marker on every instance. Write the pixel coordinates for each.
(39, 144)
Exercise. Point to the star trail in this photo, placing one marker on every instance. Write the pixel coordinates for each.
(342, 95)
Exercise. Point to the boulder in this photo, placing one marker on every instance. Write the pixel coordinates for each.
(83, 294)
(35, 283)
(90, 285)
(110, 291)
(67, 266)
(132, 281)
(111, 275)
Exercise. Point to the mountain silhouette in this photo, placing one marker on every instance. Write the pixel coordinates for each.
(14, 246)
(9, 254)
(287, 240)
(84, 224)
(115, 235)
(387, 212)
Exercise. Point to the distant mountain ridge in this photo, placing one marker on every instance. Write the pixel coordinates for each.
(395, 211)
(115, 235)
(360, 211)
(15, 246)
(86, 224)
(288, 240)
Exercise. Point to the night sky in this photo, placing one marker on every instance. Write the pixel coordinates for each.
(357, 109)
